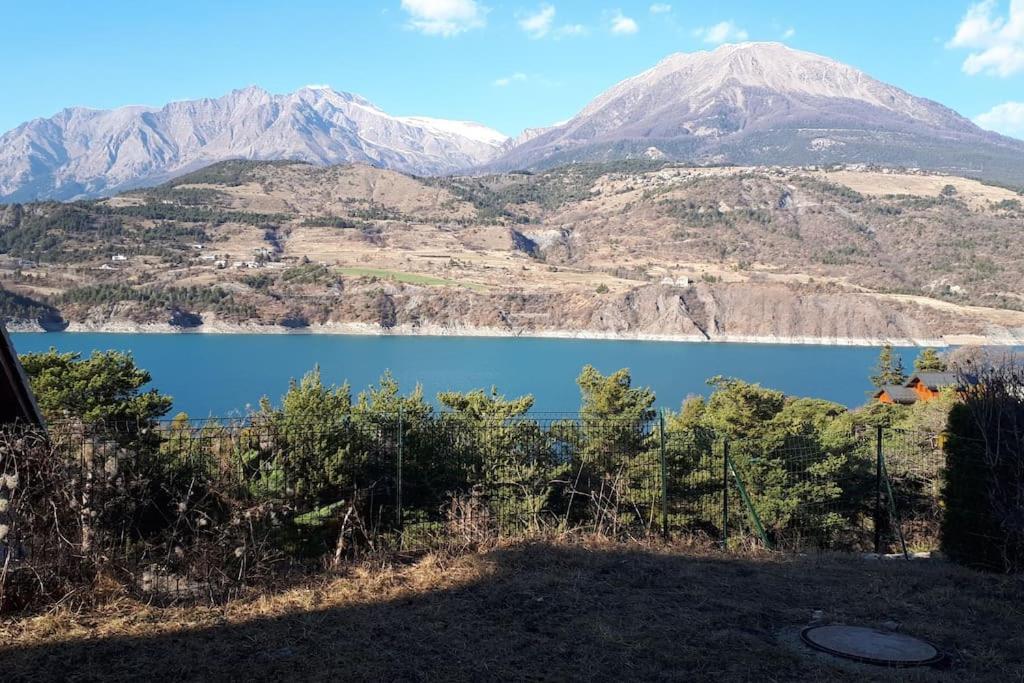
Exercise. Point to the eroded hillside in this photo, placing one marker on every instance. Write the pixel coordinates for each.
(633, 250)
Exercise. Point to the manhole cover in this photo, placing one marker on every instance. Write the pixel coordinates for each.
(871, 645)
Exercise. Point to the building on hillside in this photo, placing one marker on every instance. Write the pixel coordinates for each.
(928, 385)
(17, 403)
(922, 386)
(896, 394)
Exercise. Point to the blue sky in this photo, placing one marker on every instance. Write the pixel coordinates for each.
(510, 65)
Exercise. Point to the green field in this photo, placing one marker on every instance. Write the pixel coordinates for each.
(409, 278)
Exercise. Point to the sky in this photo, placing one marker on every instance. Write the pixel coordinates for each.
(509, 65)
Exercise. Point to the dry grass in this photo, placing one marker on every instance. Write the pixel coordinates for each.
(977, 194)
(543, 611)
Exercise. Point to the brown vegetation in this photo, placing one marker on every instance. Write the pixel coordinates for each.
(543, 611)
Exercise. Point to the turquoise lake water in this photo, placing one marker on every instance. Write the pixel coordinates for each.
(220, 375)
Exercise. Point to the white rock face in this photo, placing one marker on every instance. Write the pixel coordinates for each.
(85, 152)
(765, 103)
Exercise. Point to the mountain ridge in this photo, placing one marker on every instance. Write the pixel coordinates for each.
(83, 152)
(758, 104)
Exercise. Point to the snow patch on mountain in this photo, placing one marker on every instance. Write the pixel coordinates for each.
(83, 152)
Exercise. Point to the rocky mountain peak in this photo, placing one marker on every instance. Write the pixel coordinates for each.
(767, 103)
(86, 152)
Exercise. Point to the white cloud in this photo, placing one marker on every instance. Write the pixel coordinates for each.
(722, 32)
(570, 30)
(1006, 118)
(538, 24)
(506, 81)
(542, 23)
(445, 18)
(623, 25)
(788, 33)
(996, 42)
(660, 8)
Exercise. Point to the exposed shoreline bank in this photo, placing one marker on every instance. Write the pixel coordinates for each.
(368, 330)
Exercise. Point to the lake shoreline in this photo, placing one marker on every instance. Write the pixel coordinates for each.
(369, 330)
(226, 374)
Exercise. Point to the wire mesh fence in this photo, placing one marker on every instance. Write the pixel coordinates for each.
(200, 509)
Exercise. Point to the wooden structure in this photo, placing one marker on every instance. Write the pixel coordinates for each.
(922, 386)
(17, 404)
(896, 394)
(928, 385)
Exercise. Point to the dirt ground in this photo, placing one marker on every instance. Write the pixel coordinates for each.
(543, 611)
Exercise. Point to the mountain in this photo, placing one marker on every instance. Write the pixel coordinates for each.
(86, 152)
(765, 104)
(626, 250)
(757, 104)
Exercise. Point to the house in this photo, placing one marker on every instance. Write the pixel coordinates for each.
(896, 394)
(17, 404)
(922, 386)
(927, 385)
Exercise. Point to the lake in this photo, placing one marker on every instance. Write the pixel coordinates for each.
(223, 374)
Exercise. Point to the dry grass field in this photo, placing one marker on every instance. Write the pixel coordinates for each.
(543, 611)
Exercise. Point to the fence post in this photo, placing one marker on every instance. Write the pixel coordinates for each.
(398, 474)
(878, 490)
(894, 515)
(754, 517)
(664, 479)
(725, 494)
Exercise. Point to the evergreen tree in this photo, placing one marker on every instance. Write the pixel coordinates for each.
(612, 443)
(612, 397)
(106, 388)
(889, 369)
(794, 455)
(504, 453)
(930, 361)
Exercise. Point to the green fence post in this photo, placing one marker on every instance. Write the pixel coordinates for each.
(398, 476)
(754, 517)
(664, 479)
(725, 494)
(894, 514)
(878, 490)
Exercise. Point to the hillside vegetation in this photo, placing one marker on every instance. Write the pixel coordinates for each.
(636, 248)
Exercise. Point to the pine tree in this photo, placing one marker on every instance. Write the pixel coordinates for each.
(889, 369)
(930, 361)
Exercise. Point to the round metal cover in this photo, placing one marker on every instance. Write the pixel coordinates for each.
(871, 645)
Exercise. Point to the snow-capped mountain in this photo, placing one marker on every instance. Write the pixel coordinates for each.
(765, 103)
(86, 152)
(752, 103)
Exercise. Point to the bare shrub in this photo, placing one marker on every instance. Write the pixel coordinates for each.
(41, 558)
